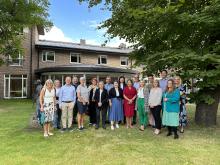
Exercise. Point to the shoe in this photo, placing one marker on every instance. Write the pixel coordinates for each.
(117, 126)
(169, 134)
(90, 124)
(80, 129)
(96, 127)
(104, 127)
(46, 135)
(58, 127)
(157, 131)
(63, 130)
(50, 134)
(112, 127)
(176, 136)
(74, 122)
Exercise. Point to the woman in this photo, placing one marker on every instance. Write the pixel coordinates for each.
(47, 103)
(101, 100)
(57, 113)
(183, 114)
(171, 108)
(92, 103)
(121, 82)
(82, 102)
(130, 95)
(155, 105)
(142, 99)
(115, 103)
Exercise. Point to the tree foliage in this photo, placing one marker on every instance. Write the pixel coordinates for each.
(15, 15)
(181, 35)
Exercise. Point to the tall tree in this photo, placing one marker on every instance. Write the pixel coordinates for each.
(15, 15)
(180, 35)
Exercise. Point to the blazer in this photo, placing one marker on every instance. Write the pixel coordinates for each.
(173, 101)
(112, 93)
(104, 97)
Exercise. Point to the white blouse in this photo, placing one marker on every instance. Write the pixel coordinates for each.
(140, 93)
(155, 97)
(49, 96)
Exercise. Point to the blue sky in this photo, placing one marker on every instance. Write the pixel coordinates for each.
(74, 21)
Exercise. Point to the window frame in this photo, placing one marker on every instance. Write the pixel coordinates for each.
(78, 55)
(46, 54)
(127, 60)
(20, 58)
(99, 59)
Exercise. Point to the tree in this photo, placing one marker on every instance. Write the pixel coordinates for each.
(180, 35)
(15, 15)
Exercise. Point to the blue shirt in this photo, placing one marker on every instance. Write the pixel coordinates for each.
(136, 85)
(67, 93)
(163, 84)
(108, 87)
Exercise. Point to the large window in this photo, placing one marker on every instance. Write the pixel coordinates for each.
(15, 86)
(102, 59)
(124, 61)
(16, 61)
(48, 56)
(75, 58)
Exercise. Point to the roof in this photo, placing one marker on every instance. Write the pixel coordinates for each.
(85, 68)
(80, 47)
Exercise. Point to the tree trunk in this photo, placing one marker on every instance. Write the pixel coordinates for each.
(207, 114)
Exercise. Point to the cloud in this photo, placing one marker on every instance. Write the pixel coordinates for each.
(55, 34)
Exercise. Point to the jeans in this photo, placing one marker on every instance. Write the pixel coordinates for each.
(156, 111)
(38, 108)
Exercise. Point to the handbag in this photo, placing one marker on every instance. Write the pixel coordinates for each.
(42, 118)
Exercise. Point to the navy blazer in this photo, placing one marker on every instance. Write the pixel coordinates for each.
(104, 97)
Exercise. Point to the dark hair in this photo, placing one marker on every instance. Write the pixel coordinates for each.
(164, 70)
(130, 81)
(94, 79)
(121, 78)
(150, 75)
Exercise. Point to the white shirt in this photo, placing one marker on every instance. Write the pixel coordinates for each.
(49, 96)
(57, 92)
(140, 93)
(100, 96)
(155, 97)
(117, 92)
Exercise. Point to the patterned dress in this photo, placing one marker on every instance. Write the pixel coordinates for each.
(183, 114)
(49, 105)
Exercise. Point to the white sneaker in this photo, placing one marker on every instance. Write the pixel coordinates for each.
(112, 127)
(117, 126)
(50, 134)
(45, 135)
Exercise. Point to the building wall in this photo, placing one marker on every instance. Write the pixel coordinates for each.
(63, 58)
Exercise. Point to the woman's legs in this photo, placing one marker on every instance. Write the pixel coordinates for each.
(130, 122)
(127, 122)
(112, 125)
(79, 120)
(82, 120)
(176, 136)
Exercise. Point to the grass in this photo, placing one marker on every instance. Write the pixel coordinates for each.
(21, 145)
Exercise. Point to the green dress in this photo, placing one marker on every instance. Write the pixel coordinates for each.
(171, 108)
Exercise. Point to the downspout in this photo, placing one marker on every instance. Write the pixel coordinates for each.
(31, 56)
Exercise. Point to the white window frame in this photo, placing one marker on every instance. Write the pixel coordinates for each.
(78, 55)
(46, 53)
(123, 58)
(99, 57)
(20, 62)
(23, 77)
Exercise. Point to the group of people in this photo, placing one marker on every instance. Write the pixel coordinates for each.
(159, 103)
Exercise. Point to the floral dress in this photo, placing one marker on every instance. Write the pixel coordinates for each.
(182, 114)
(49, 105)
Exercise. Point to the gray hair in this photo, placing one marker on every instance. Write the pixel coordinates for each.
(82, 78)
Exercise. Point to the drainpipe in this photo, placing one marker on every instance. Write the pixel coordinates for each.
(30, 71)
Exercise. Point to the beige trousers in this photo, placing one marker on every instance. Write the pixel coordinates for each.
(67, 114)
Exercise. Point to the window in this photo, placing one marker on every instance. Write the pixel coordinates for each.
(16, 61)
(48, 56)
(75, 58)
(124, 61)
(102, 59)
(15, 86)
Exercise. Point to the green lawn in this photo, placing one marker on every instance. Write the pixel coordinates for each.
(21, 145)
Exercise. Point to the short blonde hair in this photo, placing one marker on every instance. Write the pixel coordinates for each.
(178, 77)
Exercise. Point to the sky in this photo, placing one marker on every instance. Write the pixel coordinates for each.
(74, 21)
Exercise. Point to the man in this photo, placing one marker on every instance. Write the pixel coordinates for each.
(108, 86)
(148, 87)
(75, 83)
(163, 80)
(67, 99)
(37, 98)
(136, 85)
(58, 112)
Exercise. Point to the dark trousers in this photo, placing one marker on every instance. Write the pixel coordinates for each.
(92, 112)
(156, 112)
(59, 114)
(75, 112)
(102, 110)
(135, 117)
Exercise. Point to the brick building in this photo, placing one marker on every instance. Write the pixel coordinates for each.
(43, 59)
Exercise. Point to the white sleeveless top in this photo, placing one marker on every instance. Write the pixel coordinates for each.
(49, 96)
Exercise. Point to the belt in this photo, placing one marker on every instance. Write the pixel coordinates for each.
(67, 101)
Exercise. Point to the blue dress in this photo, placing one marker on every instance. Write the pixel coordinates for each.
(116, 110)
(182, 114)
